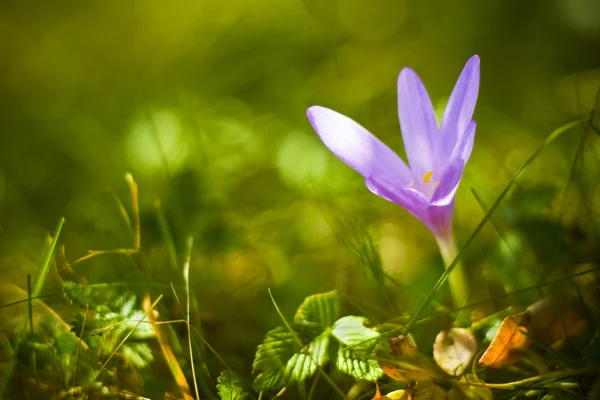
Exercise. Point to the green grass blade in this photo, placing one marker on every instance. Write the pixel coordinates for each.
(41, 279)
(167, 235)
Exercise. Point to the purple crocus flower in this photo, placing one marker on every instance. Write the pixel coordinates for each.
(436, 155)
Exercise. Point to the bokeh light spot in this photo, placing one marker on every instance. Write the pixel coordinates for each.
(157, 142)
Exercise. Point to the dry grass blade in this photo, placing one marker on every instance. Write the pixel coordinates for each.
(133, 189)
(169, 355)
(186, 278)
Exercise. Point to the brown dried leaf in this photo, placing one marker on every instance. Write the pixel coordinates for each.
(14, 313)
(509, 342)
(395, 395)
(552, 322)
(403, 346)
(427, 391)
(454, 350)
(404, 373)
(406, 363)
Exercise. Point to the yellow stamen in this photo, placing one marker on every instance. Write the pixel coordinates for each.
(427, 176)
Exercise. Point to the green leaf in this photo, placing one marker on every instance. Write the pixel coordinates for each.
(322, 308)
(356, 361)
(231, 387)
(280, 361)
(141, 331)
(353, 362)
(351, 330)
(139, 354)
(66, 343)
(77, 324)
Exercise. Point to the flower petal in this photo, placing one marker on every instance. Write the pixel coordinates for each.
(417, 121)
(441, 206)
(464, 146)
(439, 219)
(445, 192)
(355, 146)
(412, 200)
(460, 107)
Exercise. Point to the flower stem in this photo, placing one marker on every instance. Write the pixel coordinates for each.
(459, 285)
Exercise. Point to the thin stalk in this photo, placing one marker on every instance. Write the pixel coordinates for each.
(457, 279)
(186, 279)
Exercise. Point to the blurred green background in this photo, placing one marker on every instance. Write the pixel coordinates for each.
(204, 103)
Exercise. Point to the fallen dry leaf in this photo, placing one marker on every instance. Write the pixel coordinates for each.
(14, 313)
(509, 342)
(404, 346)
(395, 395)
(553, 322)
(427, 391)
(454, 350)
(406, 363)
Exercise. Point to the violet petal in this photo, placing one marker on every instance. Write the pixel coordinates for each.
(412, 200)
(464, 146)
(439, 218)
(355, 146)
(446, 190)
(417, 121)
(460, 107)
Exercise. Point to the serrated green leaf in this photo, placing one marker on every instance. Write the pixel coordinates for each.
(65, 343)
(231, 387)
(351, 330)
(355, 361)
(142, 331)
(280, 362)
(139, 354)
(322, 308)
(77, 324)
